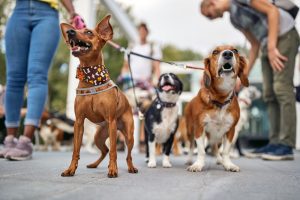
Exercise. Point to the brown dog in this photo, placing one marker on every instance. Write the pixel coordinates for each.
(214, 112)
(98, 99)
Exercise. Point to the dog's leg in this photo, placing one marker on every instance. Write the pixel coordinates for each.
(99, 139)
(78, 133)
(228, 165)
(199, 163)
(191, 145)
(167, 149)
(151, 144)
(112, 167)
(129, 139)
(176, 148)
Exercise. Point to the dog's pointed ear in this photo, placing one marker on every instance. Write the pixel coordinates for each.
(242, 68)
(64, 27)
(206, 73)
(104, 28)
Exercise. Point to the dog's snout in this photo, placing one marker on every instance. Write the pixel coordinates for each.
(71, 32)
(227, 54)
(166, 78)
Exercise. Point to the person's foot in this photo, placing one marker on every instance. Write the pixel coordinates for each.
(22, 151)
(257, 153)
(9, 143)
(282, 152)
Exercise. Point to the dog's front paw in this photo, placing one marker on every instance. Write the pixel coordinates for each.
(196, 167)
(166, 162)
(68, 172)
(133, 170)
(152, 164)
(112, 171)
(231, 167)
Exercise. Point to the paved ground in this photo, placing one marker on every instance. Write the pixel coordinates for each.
(40, 179)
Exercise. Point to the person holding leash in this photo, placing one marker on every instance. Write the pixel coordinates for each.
(272, 30)
(31, 38)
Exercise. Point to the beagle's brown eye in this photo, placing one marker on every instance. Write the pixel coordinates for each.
(235, 51)
(215, 52)
(89, 32)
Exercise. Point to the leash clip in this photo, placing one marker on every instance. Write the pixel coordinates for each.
(141, 115)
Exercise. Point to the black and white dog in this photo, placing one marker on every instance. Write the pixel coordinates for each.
(161, 119)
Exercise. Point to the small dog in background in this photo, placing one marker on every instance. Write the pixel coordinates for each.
(181, 137)
(161, 119)
(51, 135)
(245, 99)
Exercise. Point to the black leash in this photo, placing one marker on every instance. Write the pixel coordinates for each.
(128, 53)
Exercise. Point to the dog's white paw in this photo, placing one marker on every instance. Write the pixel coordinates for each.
(166, 164)
(152, 164)
(231, 167)
(219, 160)
(196, 167)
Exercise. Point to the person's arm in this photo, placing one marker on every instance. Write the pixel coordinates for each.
(69, 7)
(125, 67)
(254, 50)
(272, 13)
(156, 72)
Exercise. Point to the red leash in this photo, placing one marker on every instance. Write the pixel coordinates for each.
(124, 50)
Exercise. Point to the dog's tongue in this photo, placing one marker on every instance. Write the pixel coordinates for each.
(167, 87)
(75, 48)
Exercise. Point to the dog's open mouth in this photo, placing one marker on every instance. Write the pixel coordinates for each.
(226, 68)
(79, 46)
(167, 87)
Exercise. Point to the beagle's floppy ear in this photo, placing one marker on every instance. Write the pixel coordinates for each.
(64, 27)
(104, 28)
(242, 67)
(206, 73)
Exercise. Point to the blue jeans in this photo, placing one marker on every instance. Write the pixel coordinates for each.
(31, 38)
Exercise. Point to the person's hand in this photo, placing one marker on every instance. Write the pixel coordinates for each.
(77, 21)
(276, 59)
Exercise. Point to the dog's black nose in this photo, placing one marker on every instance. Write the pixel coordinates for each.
(166, 77)
(71, 33)
(227, 54)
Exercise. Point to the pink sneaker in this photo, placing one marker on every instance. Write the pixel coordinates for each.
(9, 143)
(22, 151)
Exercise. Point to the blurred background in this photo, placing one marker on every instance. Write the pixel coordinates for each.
(184, 35)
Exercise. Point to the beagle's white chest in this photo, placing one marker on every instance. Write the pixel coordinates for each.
(217, 124)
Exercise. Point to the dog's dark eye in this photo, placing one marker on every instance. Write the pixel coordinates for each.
(89, 32)
(215, 52)
(235, 51)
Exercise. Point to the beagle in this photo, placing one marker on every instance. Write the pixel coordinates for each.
(214, 112)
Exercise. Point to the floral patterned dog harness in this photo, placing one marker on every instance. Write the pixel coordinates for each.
(95, 75)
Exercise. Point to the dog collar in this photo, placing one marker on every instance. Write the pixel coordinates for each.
(95, 75)
(221, 105)
(96, 89)
(161, 103)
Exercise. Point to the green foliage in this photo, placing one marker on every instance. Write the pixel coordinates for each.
(58, 79)
(2, 69)
(172, 53)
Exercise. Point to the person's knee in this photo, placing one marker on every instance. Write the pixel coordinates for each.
(283, 91)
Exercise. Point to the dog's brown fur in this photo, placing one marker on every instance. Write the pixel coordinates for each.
(110, 108)
(201, 106)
